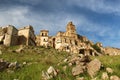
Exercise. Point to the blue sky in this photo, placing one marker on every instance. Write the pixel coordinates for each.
(99, 20)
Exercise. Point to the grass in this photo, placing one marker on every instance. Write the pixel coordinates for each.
(112, 62)
(41, 58)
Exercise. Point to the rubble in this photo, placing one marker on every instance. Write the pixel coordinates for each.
(105, 76)
(109, 70)
(114, 77)
(93, 67)
(50, 73)
(78, 69)
(14, 65)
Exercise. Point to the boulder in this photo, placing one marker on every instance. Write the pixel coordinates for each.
(70, 64)
(93, 67)
(78, 69)
(105, 76)
(45, 76)
(114, 77)
(52, 71)
(74, 59)
(64, 68)
(14, 65)
(24, 63)
(80, 78)
(65, 60)
(109, 70)
(3, 65)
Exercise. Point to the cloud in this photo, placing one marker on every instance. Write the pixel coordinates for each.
(22, 16)
(15, 16)
(55, 17)
(99, 6)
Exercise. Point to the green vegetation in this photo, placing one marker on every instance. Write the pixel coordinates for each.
(112, 62)
(39, 59)
(96, 48)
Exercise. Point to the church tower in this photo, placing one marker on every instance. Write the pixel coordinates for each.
(44, 37)
(70, 30)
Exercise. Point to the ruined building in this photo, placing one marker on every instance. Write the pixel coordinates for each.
(68, 41)
(26, 36)
(10, 36)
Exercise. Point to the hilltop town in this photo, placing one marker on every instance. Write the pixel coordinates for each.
(68, 41)
(66, 56)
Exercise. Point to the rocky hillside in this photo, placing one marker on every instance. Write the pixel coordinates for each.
(39, 63)
(112, 51)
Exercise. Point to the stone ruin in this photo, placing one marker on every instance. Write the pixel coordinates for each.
(11, 36)
(8, 35)
(68, 41)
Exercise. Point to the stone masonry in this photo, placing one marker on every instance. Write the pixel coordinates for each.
(68, 41)
(10, 36)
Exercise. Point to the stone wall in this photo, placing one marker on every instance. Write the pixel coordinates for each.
(26, 36)
(68, 41)
(8, 35)
(112, 51)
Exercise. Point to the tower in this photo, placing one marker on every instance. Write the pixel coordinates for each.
(44, 37)
(44, 33)
(70, 30)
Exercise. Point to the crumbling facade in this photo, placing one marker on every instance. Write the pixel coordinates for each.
(42, 38)
(10, 36)
(26, 36)
(68, 41)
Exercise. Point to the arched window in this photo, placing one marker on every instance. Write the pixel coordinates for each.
(42, 34)
(44, 40)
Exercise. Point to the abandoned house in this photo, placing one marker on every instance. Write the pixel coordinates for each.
(10, 36)
(68, 41)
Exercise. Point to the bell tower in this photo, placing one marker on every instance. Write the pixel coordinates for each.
(70, 30)
(44, 37)
(44, 33)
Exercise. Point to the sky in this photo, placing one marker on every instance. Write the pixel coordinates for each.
(98, 20)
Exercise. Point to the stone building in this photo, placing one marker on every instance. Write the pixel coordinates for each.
(68, 41)
(8, 35)
(42, 38)
(26, 36)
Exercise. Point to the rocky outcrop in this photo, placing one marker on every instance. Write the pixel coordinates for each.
(93, 67)
(50, 73)
(114, 77)
(112, 51)
(105, 76)
(78, 69)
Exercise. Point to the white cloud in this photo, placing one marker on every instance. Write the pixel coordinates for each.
(99, 6)
(22, 16)
(15, 16)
